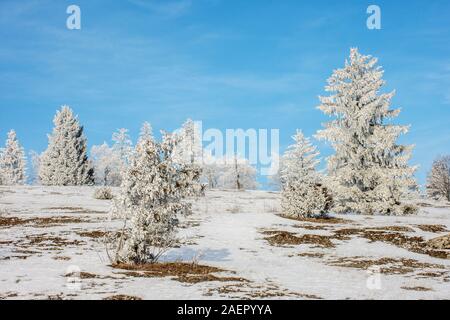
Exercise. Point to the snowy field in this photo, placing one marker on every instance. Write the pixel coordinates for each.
(51, 248)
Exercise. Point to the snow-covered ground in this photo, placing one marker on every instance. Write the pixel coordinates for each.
(228, 230)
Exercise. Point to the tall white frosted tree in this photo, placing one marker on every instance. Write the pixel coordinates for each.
(438, 182)
(122, 145)
(369, 172)
(13, 161)
(302, 194)
(65, 162)
(152, 195)
(189, 149)
(146, 132)
(110, 163)
(107, 165)
(35, 163)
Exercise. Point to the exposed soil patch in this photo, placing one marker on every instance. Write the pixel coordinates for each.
(278, 238)
(435, 228)
(122, 297)
(386, 265)
(183, 272)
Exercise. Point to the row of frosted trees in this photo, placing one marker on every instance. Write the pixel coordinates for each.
(65, 162)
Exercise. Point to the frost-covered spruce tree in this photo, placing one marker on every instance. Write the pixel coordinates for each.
(299, 162)
(369, 172)
(110, 163)
(189, 149)
(146, 132)
(107, 165)
(35, 163)
(438, 183)
(153, 194)
(122, 146)
(13, 161)
(65, 162)
(302, 194)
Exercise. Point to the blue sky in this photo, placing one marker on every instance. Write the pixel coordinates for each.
(232, 64)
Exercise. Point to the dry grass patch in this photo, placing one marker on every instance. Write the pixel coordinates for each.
(122, 297)
(330, 220)
(414, 244)
(313, 227)
(417, 288)
(14, 257)
(435, 228)
(82, 275)
(61, 258)
(393, 228)
(95, 234)
(386, 265)
(280, 238)
(8, 295)
(7, 222)
(434, 274)
(55, 221)
(442, 242)
(180, 271)
(256, 291)
(49, 242)
(74, 210)
(311, 254)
